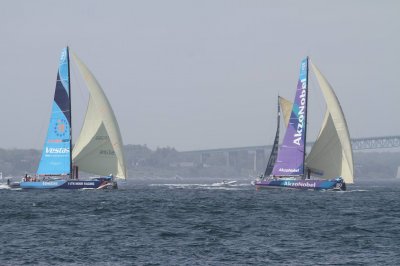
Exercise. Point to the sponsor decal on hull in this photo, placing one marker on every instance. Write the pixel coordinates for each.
(309, 184)
(81, 183)
(50, 183)
(300, 184)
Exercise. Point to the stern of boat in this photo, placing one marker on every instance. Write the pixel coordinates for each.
(108, 183)
(340, 184)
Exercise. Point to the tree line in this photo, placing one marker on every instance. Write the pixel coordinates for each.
(143, 162)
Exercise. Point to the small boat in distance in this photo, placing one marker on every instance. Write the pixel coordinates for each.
(7, 182)
(229, 182)
(329, 165)
(225, 183)
(13, 184)
(99, 148)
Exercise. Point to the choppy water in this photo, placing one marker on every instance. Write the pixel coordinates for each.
(201, 224)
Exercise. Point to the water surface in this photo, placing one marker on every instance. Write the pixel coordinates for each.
(201, 224)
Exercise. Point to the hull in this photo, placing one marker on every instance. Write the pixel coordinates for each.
(333, 184)
(69, 184)
(14, 185)
(11, 184)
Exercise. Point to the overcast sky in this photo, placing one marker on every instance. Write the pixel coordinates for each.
(198, 74)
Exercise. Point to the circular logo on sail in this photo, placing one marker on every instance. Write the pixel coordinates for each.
(61, 128)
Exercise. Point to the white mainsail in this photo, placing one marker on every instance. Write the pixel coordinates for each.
(98, 149)
(331, 154)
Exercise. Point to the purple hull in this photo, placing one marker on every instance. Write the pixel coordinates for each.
(332, 184)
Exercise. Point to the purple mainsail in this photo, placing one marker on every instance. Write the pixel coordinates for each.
(291, 154)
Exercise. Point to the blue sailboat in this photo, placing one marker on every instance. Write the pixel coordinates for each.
(98, 149)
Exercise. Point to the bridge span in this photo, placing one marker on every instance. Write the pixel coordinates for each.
(233, 156)
(358, 144)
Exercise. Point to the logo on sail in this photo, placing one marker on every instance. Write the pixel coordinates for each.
(61, 128)
(289, 170)
(302, 100)
(107, 152)
(57, 150)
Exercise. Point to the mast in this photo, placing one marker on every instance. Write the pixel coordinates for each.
(279, 114)
(305, 171)
(70, 122)
(274, 150)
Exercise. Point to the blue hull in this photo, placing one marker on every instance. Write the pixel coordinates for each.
(333, 184)
(66, 184)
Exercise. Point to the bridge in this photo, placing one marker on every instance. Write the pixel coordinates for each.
(387, 142)
(358, 144)
(258, 153)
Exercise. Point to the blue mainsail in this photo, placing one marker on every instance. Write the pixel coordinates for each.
(56, 155)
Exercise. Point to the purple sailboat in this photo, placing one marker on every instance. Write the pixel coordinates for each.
(329, 164)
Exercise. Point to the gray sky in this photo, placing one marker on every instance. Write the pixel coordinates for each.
(198, 74)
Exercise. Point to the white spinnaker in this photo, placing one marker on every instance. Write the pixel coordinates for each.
(332, 152)
(99, 148)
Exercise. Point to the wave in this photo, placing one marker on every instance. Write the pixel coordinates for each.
(4, 186)
(213, 186)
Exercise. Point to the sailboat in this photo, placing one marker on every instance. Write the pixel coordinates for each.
(329, 165)
(98, 149)
(286, 107)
